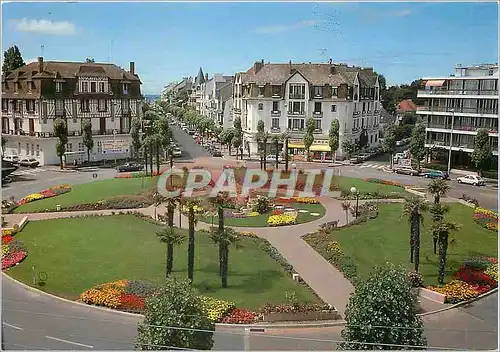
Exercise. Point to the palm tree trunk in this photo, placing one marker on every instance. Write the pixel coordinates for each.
(220, 214)
(157, 158)
(151, 159)
(347, 216)
(225, 259)
(88, 155)
(146, 160)
(265, 154)
(412, 239)
(443, 249)
(435, 240)
(191, 245)
(286, 154)
(437, 198)
(170, 214)
(170, 258)
(229, 147)
(416, 243)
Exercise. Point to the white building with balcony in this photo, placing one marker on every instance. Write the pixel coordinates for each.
(33, 96)
(284, 96)
(456, 107)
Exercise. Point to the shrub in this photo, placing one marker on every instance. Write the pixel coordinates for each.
(262, 206)
(434, 166)
(140, 288)
(415, 279)
(490, 174)
(215, 308)
(470, 199)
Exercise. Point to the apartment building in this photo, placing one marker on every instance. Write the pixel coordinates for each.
(456, 107)
(284, 96)
(211, 101)
(33, 96)
(196, 95)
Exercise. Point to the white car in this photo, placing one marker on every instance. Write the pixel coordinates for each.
(176, 152)
(272, 158)
(471, 180)
(14, 159)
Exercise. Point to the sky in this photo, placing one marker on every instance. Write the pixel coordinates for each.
(168, 41)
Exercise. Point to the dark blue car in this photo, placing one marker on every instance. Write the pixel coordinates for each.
(436, 174)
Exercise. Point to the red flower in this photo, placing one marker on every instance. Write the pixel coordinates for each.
(239, 316)
(6, 239)
(131, 302)
(277, 212)
(474, 276)
(12, 259)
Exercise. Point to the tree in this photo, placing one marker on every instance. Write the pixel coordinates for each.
(417, 144)
(276, 141)
(237, 140)
(135, 133)
(171, 204)
(259, 138)
(286, 137)
(333, 138)
(363, 139)
(88, 142)
(348, 147)
(227, 138)
(438, 211)
(438, 188)
(224, 239)
(382, 313)
(442, 230)
(389, 143)
(61, 132)
(177, 304)
(219, 202)
(413, 209)
(12, 59)
(482, 155)
(172, 237)
(191, 204)
(309, 136)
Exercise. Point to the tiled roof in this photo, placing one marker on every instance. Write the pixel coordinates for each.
(406, 106)
(316, 74)
(72, 70)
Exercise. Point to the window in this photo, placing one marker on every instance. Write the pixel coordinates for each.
(334, 91)
(261, 91)
(376, 106)
(275, 123)
(80, 147)
(362, 123)
(334, 107)
(16, 87)
(5, 105)
(297, 107)
(371, 138)
(102, 105)
(261, 106)
(297, 91)
(317, 107)
(30, 86)
(317, 124)
(276, 106)
(27, 149)
(85, 105)
(125, 106)
(93, 87)
(317, 91)
(58, 87)
(101, 87)
(16, 105)
(59, 106)
(85, 87)
(296, 124)
(125, 88)
(276, 91)
(364, 107)
(32, 150)
(376, 138)
(70, 147)
(99, 147)
(30, 105)
(37, 150)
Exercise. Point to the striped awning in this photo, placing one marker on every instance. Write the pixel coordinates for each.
(435, 83)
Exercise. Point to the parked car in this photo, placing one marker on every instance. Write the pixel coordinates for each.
(14, 159)
(272, 158)
(364, 156)
(406, 171)
(471, 180)
(177, 152)
(30, 162)
(356, 160)
(436, 174)
(216, 152)
(130, 166)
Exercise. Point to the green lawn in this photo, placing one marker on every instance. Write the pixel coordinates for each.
(345, 183)
(92, 192)
(386, 239)
(261, 220)
(79, 253)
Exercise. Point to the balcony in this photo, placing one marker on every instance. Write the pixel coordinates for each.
(355, 129)
(275, 129)
(464, 110)
(318, 131)
(469, 128)
(276, 96)
(356, 113)
(296, 113)
(297, 96)
(317, 96)
(457, 92)
(318, 114)
(276, 113)
(369, 113)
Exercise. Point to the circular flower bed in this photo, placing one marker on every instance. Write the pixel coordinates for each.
(13, 250)
(486, 218)
(48, 193)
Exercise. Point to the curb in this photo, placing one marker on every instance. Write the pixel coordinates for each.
(219, 325)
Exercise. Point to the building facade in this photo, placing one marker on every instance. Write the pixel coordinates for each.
(33, 96)
(211, 99)
(456, 107)
(284, 96)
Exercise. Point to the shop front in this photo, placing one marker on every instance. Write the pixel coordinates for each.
(320, 150)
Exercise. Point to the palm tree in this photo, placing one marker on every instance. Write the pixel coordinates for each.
(276, 141)
(413, 209)
(438, 188)
(218, 202)
(438, 211)
(346, 204)
(285, 136)
(442, 231)
(171, 204)
(190, 204)
(171, 237)
(224, 239)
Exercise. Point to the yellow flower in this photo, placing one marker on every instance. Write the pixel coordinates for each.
(248, 234)
(281, 220)
(304, 200)
(456, 291)
(216, 309)
(107, 295)
(492, 271)
(253, 213)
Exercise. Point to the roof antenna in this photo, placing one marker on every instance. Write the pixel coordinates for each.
(41, 49)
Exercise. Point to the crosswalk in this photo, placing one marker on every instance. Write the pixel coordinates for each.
(26, 172)
(372, 166)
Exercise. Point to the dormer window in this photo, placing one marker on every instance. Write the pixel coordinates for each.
(30, 86)
(93, 87)
(85, 87)
(125, 88)
(59, 87)
(276, 91)
(335, 91)
(261, 91)
(16, 87)
(101, 87)
(318, 92)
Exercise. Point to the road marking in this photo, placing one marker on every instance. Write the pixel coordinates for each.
(70, 342)
(13, 326)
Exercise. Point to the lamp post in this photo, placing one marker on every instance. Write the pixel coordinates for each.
(451, 138)
(356, 193)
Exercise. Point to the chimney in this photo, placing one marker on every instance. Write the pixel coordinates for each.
(330, 61)
(262, 61)
(257, 66)
(132, 67)
(40, 64)
(206, 76)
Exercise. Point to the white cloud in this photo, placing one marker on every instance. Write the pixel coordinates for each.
(44, 26)
(401, 13)
(286, 27)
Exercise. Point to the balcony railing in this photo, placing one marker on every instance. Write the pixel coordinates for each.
(318, 114)
(470, 128)
(457, 92)
(356, 113)
(318, 131)
(275, 129)
(296, 113)
(275, 113)
(297, 96)
(458, 110)
(356, 129)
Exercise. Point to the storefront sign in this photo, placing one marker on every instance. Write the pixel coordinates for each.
(114, 146)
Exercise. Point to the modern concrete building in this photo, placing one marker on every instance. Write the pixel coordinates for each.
(33, 96)
(455, 107)
(284, 96)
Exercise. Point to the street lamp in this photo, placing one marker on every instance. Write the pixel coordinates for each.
(451, 138)
(355, 191)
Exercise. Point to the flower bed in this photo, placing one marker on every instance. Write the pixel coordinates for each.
(302, 200)
(48, 193)
(281, 220)
(486, 218)
(384, 182)
(216, 309)
(13, 251)
(138, 174)
(239, 316)
(475, 277)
